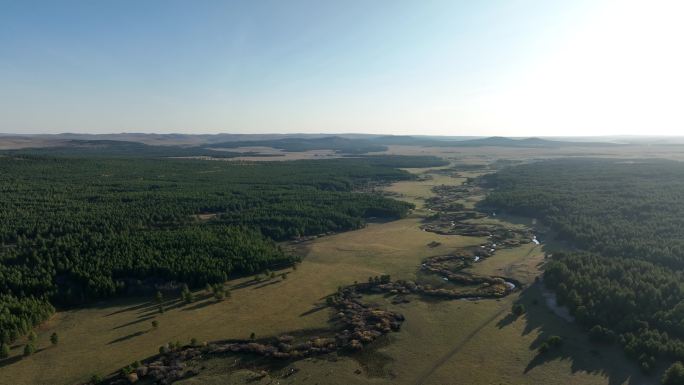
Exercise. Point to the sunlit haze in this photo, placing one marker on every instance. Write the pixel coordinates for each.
(514, 68)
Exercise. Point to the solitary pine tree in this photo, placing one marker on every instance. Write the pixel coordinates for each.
(186, 294)
(29, 349)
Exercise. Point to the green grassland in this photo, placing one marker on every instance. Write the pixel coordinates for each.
(416, 191)
(441, 342)
(114, 329)
(448, 342)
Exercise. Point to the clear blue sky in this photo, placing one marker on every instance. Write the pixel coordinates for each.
(508, 67)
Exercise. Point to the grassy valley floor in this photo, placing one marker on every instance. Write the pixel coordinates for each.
(441, 342)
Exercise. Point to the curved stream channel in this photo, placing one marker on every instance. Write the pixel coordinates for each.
(355, 323)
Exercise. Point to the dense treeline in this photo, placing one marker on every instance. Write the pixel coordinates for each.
(626, 218)
(76, 229)
(335, 143)
(120, 148)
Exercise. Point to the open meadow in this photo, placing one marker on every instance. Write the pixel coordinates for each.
(447, 342)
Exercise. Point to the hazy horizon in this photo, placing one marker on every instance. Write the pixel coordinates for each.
(441, 68)
(289, 134)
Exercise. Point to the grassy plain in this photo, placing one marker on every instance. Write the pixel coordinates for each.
(450, 342)
(441, 342)
(415, 191)
(109, 335)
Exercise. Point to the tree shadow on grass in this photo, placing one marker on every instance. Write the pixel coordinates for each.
(584, 356)
(10, 360)
(507, 320)
(313, 310)
(177, 304)
(245, 284)
(152, 310)
(137, 321)
(269, 283)
(131, 308)
(17, 357)
(127, 337)
(201, 305)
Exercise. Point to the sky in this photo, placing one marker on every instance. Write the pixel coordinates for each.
(433, 67)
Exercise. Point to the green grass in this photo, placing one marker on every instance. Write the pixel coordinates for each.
(121, 332)
(459, 342)
(416, 191)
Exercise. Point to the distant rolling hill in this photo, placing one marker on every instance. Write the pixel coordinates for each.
(118, 148)
(336, 143)
(494, 141)
(180, 145)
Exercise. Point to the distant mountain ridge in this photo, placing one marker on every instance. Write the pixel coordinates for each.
(119, 148)
(492, 141)
(335, 143)
(500, 141)
(203, 144)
